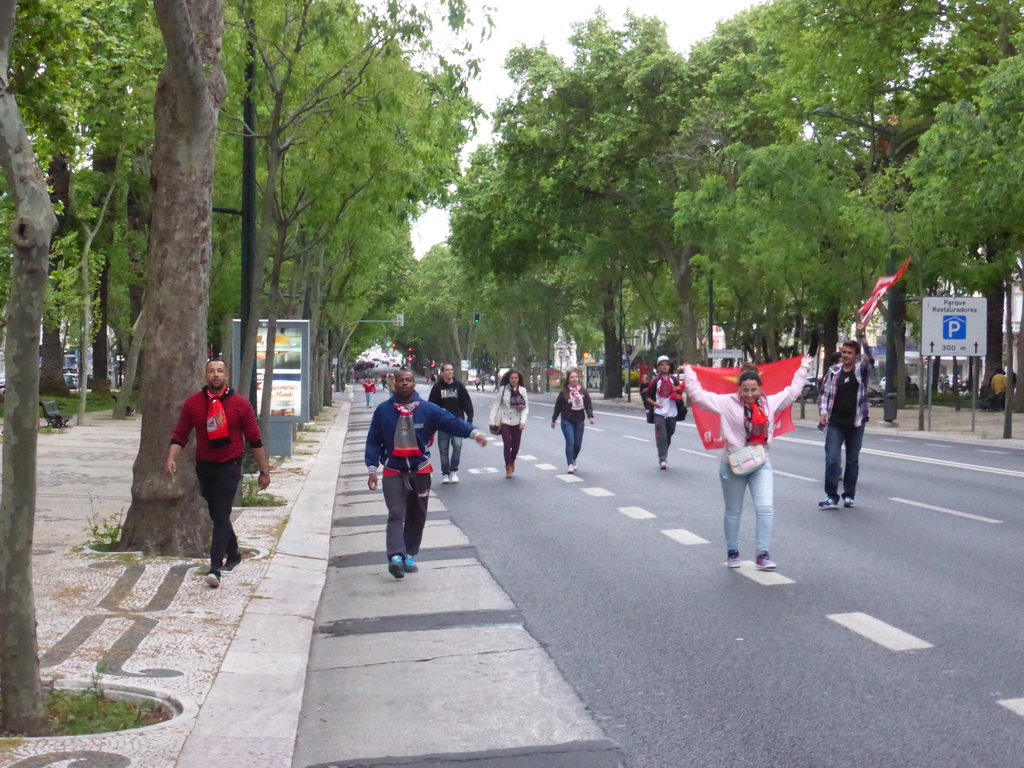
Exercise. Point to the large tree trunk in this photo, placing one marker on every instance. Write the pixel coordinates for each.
(21, 694)
(100, 347)
(51, 353)
(612, 346)
(167, 516)
(682, 278)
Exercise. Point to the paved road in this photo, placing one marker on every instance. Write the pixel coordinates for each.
(891, 634)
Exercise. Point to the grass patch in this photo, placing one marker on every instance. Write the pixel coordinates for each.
(307, 428)
(105, 533)
(252, 496)
(72, 713)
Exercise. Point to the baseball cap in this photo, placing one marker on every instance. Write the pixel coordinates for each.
(664, 358)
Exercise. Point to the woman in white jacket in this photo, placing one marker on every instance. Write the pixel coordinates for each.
(747, 418)
(510, 411)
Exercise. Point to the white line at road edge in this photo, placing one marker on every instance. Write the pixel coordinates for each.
(638, 439)
(1014, 705)
(918, 459)
(683, 536)
(637, 513)
(879, 632)
(795, 477)
(932, 507)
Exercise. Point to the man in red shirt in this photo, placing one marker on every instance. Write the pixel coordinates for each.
(221, 418)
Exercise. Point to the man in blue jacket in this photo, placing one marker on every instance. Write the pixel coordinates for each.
(398, 438)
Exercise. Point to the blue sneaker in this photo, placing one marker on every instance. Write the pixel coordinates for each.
(396, 567)
(847, 501)
(829, 502)
(410, 565)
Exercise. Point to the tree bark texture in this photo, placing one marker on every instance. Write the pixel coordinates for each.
(612, 346)
(682, 277)
(31, 230)
(51, 353)
(167, 516)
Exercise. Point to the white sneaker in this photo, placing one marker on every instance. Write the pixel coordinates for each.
(455, 477)
(571, 469)
(445, 479)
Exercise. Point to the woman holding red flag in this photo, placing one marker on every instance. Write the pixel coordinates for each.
(748, 419)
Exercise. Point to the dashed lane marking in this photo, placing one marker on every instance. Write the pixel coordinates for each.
(879, 632)
(638, 439)
(937, 445)
(917, 459)
(595, 429)
(986, 450)
(1014, 705)
(705, 454)
(526, 457)
(597, 492)
(545, 466)
(637, 513)
(795, 477)
(569, 478)
(482, 470)
(932, 507)
(768, 578)
(683, 536)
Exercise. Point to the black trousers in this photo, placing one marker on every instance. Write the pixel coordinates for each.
(218, 483)
(406, 498)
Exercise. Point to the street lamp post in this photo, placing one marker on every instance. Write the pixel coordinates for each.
(895, 291)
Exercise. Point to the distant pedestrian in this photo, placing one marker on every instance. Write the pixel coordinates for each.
(509, 412)
(369, 388)
(400, 432)
(663, 397)
(452, 395)
(574, 406)
(998, 385)
(221, 419)
(844, 411)
(747, 419)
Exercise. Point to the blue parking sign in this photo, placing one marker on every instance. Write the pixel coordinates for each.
(954, 327)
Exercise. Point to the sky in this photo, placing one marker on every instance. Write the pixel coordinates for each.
(531, 22)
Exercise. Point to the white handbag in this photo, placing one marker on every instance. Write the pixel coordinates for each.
(748, 459)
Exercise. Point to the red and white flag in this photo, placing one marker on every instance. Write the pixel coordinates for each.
(774, 378)
(881, 286)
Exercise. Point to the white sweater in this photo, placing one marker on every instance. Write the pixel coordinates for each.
(503, 413)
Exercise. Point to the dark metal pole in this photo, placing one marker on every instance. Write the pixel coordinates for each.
(249, 189)
(895, 293)
(711, 317)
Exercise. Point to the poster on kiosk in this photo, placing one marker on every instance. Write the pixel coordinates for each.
(289, 394)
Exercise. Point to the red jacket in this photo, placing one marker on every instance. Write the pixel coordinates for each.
(369, 386)
(241, 422)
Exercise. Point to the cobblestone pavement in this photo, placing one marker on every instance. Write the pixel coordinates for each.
(140, 623)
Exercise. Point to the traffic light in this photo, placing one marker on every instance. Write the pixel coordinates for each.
(410, 349)
(476, 317)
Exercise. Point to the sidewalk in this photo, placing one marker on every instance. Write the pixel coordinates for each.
(230, 661)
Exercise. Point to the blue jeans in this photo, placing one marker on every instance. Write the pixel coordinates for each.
(444, 441)
(369, 399)
(733, 488)
(834, 439)
(573, 434)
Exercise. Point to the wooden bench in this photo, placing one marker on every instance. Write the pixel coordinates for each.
(52, 414)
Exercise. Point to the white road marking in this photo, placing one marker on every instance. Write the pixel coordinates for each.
(637, 513)
(795, 477)
(482, 470)
(597, 492)
(621, 415)
(986, 450)
(768, 578)
(638, 439)
(892, 440)
(683, 536)
(492, 438)
(542, 466)
(705, 454)
(570, 478)
(968, 515)
(918, 459)
(938, 445)
(879, 632)
(542, 418)
(526, 457)
(1014, 705)
(594, 429)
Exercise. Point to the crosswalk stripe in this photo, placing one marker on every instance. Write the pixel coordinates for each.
(932, 507)
(637, 513)
(1014, 705)
(597, 492)
(526, 457)
(545, 466)
(683, 536)
(569, 478)
(879, 632)
(749, 569)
